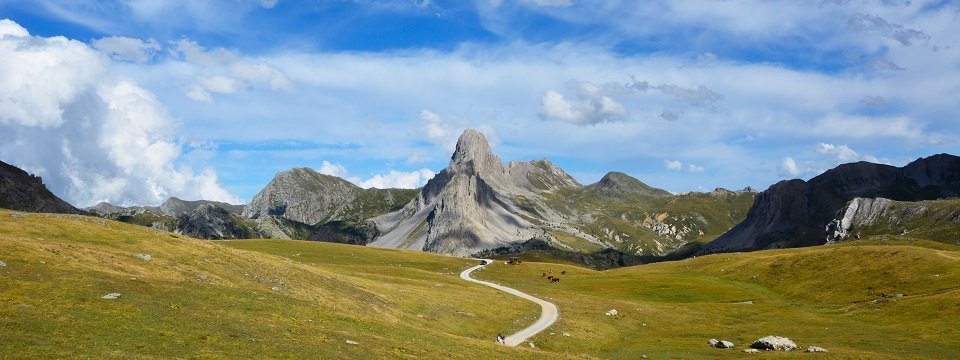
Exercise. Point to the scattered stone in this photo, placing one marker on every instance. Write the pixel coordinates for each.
(275, 288)
(723, 344)
(612, 312)
(777, 343)
(813, 349)
(751, 351)
(351, 342)
(144, 257)
(2, 264)
(643, 356)
(532, 346)
(18, 215)
(566, 334)
(712, 342)
(111, 296)
(748, 302)
(898, 296)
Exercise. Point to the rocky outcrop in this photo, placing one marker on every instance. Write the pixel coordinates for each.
(303, 195)
(858, 212)
(774, 343)
(24, 192)
(467, 207)
(617, 185)
(177, 207)
(209, 221)
(796, 213)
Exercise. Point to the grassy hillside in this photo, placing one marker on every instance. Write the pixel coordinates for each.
(296, 299)
(202, 299)
(937, 220)
(843, 298)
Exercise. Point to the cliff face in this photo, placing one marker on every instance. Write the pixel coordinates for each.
(796, 213)
(465, 208)
(22, 191)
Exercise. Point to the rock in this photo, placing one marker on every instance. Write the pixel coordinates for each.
(751, 351)
(817, 349)
(22, 191)
(2, 264)
(898, 296)
(723, 344)
(532, 346)
(612, 312)
(566, 334)
(144, 257)
(111, 296)
(777, 343)
(643, 356)
(712, 342)
(351, 342)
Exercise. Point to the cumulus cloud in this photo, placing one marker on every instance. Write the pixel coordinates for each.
(398, 180)
(337, 170)
(91, 136)
(127, 49)
(593, 104)
(902, 35)
(700, 96)
(843, 153)
(789, 166)
(224, 72)
(391, 180)
(676, 165)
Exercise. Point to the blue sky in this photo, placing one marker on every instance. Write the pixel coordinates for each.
(132, 101)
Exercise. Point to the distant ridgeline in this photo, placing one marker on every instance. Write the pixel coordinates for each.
(479, 205)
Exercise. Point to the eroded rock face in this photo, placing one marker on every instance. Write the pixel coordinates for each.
(303, 195)
(858, 212)
(796, 213)
(22, 191)
(466, 208)
(209, 221)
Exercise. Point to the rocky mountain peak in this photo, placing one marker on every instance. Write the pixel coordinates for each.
(474, 156)
(20, 190)
(616, 184)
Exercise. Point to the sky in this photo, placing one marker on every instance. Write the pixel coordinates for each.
(134, 101)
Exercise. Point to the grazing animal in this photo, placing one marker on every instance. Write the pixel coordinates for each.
(550, 277)
(543, 274)
(555, 280)
(563, 272)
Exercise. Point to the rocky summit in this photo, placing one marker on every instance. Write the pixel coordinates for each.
(798, 213)
(22, 191)
(478, 203)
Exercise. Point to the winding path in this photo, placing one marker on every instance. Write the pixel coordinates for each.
(548, 311)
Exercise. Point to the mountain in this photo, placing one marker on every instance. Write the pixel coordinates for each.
(176, 207)
(466, 208)
(202, 219)
(477, 204)
(210, 221)
(24, 192)
(617, 185)
(936, 220)
(796, 213)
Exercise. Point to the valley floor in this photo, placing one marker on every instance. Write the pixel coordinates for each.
(295, 299)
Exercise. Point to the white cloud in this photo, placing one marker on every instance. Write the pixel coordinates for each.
(593, 106)
(93, 137)
(552, 3)
(398, 179)
(331, 169)
(222, 71)
(676, 165)
(789, 165)
(391, 180)
(12, 29)
(268, 4)
(127, 49)
(843, 153)
(673, 165)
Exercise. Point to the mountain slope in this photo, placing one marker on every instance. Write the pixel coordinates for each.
(796, 213)
(22, 191)
(477, 203)
(238, 299)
